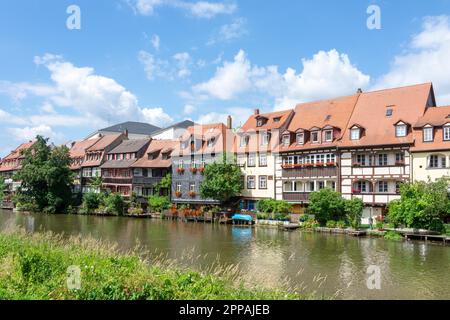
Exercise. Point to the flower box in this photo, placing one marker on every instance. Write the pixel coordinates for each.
(331, 164)
(201, 170)
(178, 194)
(399, 163)
(192, 194)
(356, 164)
(356, 191)
(193, 170)
(180, 170)
(287, 166)
(309, 165)
(320, 164)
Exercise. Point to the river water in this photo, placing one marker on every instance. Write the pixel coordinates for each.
(330, 265)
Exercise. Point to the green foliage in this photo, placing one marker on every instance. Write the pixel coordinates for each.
(114, 204)
(422, 205)
(331, 224)
(91, 202)
(310, 224)
(326, 205)
(274, 206)
(34, 267)
(164, 184)
(158, 203)
(46, 179)
(97, 183)
(262, 216)
(340, 224)
(392, 235)
(353, 209)
(2, 189)
(222, 181)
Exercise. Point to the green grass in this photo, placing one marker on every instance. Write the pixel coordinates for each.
(34, 266)
(392, 235)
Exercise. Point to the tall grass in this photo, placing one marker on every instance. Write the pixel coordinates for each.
(34, 266)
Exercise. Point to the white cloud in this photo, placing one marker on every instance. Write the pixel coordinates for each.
(199, 9)
(239, 116)
(327, 74)
(29, 133)
(426, 59)
(156, 116)
(229, 32)
(188, 109)
(155, 42)
(159, 68)
(8, 118)
(183, 60)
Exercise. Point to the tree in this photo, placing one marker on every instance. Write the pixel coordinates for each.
(274, 206)
(353, 209)
(2, 189)
(325, 205)
(96, 183)
(423, 205)
(222, 181)
(46, 179)
(158, 203)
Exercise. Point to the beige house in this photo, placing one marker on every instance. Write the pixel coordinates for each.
(431, 152)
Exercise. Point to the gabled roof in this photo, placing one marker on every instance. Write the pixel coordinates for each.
(79, 147)
(271, 124)
(133, 128)
(8, 163)
(435, 116)
(408, 104)
(181, 125)
(130, 146)
(160, 147)
(104, 142)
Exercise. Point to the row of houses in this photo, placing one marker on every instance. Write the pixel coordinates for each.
(364, 145)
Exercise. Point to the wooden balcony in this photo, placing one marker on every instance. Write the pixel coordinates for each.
(309, 171)
(118, 180)
(147, 180)
(296, 196)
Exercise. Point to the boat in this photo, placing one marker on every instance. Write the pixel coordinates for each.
(244, 219)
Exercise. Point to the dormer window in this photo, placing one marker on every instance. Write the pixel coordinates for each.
(400, 130)
(315, 137)
(286, 140)
(300, 137)
(211, 142)
(389, 112)
(329, 135)
(355, 133)
(428, 135)
(278, 119)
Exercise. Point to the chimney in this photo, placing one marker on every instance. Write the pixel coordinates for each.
(359, 90)
(73, 143)
(229, 122)
(256, 112)
(125, 133)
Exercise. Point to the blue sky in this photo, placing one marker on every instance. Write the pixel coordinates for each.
(162, 61)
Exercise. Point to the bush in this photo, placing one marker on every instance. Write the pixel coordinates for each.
(310, 224)
(114, 204)
(326, 205)
(353, 210)
(392, 235)
(262, 216)
(91, 202)
(158, 203)
(331, 224)
(340, 224)
(274, 206)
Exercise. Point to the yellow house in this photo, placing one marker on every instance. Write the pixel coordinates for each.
(431, 152)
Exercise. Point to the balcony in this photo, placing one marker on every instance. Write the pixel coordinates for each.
(147, 180)
(118, 180)
(310, 170)
(296, 196)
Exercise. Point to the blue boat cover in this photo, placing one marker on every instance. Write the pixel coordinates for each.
(244, 217)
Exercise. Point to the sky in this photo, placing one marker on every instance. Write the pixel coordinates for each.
(163, 61)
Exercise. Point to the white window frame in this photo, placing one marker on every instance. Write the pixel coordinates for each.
(263, 159)
(355, 134)
(286, 140)
(251, 160)
(428, 134)
(244, 141)
(262, 182)
(300, 137)
(265, 139)
(317, 134)
(328, 132)
(446, 132)
(251, 183)
(400, 130)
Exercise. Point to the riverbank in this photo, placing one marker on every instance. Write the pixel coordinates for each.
(34, 266)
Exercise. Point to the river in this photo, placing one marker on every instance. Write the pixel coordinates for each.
(330, 265)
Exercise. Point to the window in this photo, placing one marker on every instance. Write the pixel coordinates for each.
(437, 161)
(260, 123)
(276, 119)
(361, 159)
(389, 112)
(300, 138)
(329, 135)
(178, 187)
(286, 140)
(397, 186)
(428, 134)
(87, 172)
(355, 134)
(315, 136)
(446, 133)
(96, 172)
(361, 186)
(244, 141)
(320, 185)
(331, 158)
(399, 157)
(137, 172)
(383, 159)
(241, 160)
(320, 158)
(400, 130)
(251, 182)
(180, 164)
(383, 186)
(251, 160)
(262, 160)
(311, 186)
(211, 142)
(263, 182)
(264, 139)
(192, 187)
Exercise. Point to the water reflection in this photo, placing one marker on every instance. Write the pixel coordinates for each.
(326, 264)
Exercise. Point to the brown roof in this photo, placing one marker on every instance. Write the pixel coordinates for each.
(436, 117)
(118, 164)
(79, 148)
(160, 147)
(333, 113)
(407, 103)
(104, 142)
(253, 132)
(12, 160)
(203, 133)
(128, 146)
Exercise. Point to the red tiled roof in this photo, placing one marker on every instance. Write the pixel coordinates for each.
(436, 117)
(160, 147)
(12, 161)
